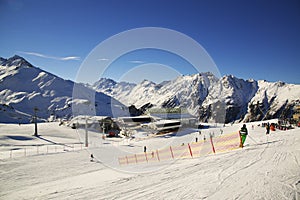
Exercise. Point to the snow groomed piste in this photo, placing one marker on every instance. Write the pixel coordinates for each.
(219, 144)
(267, 168)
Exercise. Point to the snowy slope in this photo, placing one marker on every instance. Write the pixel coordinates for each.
(23, 87)
(224, 100)
(267, 168)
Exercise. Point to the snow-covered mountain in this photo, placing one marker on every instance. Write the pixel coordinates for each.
(204, 95)
(24, 87)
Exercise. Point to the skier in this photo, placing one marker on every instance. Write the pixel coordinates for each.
(145, 149)
(196, 139)
(243, 134)
(268, 128)
(92, 157)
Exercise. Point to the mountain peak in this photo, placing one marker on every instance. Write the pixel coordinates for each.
(146, 82)
(104, 83)
(206, 74)
(2, 60)
(16, 60)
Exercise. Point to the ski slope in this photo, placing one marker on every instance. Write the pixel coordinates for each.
(268, 167)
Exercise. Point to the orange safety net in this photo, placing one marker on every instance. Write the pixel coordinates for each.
(222, 143)
(226, 142)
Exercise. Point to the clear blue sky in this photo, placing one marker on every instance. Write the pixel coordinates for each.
(256, 39)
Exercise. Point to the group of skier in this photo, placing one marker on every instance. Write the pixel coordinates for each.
(244, 132)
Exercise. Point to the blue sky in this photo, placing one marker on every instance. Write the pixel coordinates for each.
(256, 39)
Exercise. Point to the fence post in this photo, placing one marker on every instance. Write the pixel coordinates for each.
(191, 153)
(212, 144)
(135, 158)
(146, 156)
(171, 152)
(157, 155)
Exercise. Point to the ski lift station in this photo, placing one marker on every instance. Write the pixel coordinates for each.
(112, 127)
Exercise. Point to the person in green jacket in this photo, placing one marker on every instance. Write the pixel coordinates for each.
(243, 134)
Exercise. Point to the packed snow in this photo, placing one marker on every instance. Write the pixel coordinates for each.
(268, 167)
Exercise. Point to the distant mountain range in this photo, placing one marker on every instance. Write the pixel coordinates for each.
(211, 99)
(24, 87)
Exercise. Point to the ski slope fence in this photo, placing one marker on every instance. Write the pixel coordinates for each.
(219, 144)
(24, 151)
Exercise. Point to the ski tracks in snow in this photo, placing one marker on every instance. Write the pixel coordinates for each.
(247, 176)
(268, 168)
(254, 172)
